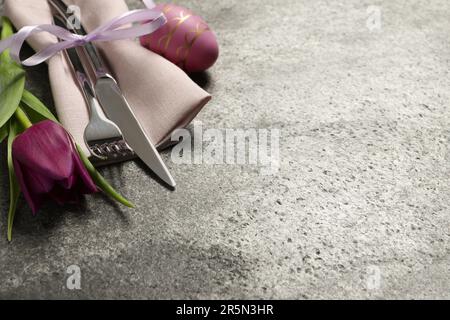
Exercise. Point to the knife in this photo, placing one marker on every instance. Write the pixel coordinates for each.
(116, 106)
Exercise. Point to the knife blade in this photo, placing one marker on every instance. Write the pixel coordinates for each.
(116, 106)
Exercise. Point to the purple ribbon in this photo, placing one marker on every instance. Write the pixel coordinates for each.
(113, 30)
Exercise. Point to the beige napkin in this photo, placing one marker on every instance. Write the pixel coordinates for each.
(162, 96)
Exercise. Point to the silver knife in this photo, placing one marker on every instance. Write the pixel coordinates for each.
(117, 108)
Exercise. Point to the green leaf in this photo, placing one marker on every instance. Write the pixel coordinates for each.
(7, 28)
(14, 189)
(12, 81)
(3, 132)
(101, 182)
(7, 31)
(33, 104)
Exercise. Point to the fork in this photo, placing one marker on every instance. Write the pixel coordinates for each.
(103, 137)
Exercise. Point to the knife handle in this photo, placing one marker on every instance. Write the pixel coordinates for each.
(82, 78)
(96, 61)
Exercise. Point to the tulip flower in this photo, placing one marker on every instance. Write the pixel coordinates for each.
(48, 166)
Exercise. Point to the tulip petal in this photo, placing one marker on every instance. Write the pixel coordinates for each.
(46, 149)
(62, 196)
(49, 166)
(87, 185)
(34, 200)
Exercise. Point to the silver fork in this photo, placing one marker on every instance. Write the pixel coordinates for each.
(103, 137)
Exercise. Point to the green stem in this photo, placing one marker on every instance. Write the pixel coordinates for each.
(101, 182)
(22, 117)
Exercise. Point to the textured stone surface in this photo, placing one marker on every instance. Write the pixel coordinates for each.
(363, 184)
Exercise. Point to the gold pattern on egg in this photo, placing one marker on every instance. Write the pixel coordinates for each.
(167, 8)
(166, 39)
(188, 44)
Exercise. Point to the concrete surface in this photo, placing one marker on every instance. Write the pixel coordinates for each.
(359, 208)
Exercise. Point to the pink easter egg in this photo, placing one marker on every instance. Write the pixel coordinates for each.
(186, 40)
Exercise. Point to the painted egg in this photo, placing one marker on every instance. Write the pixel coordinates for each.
(186, 40)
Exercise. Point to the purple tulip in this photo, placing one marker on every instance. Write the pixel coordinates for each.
(48, 166)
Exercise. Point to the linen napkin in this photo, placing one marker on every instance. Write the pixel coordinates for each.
(162, 96)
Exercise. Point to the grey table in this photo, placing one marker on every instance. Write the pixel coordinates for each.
(358, 209)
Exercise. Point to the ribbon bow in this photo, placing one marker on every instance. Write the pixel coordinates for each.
(113, 30)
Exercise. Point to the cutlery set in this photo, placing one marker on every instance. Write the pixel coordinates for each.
(113, 134)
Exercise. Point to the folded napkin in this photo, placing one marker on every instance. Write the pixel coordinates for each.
(162, 96)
